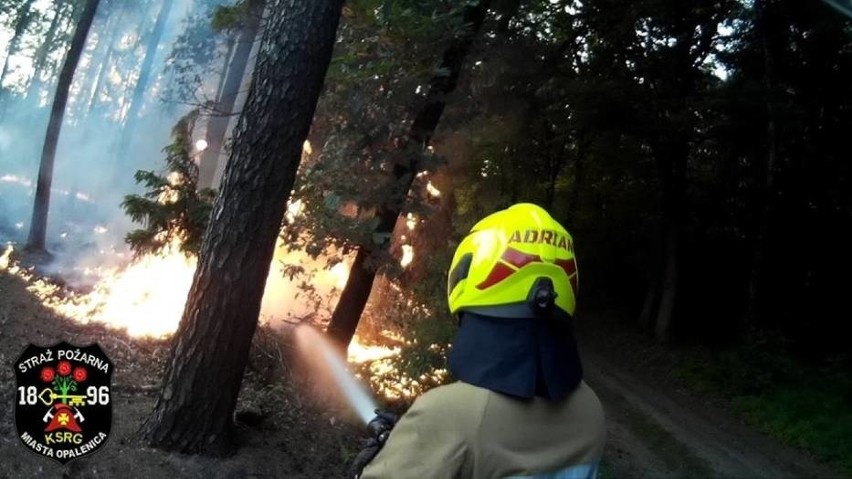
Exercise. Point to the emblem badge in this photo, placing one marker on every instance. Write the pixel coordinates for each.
(63, 408)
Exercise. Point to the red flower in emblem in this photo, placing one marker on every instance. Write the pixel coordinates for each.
(80, 374)
(47, 374)
(64, 368)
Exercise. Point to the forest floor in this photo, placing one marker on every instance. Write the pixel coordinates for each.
(657, 429)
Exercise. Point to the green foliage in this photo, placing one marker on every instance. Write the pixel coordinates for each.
(229, 17)
(420, 317)
(427, 352)
(172, 210)
(8, 8)
(194, 54)
(750, 368)
(376, 83)
(807, 406)
(817, 418)
(420, 365)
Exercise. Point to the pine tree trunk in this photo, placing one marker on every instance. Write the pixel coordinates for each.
(668, 295)
(23, 21)
(50, 41)
(554, 169)
(223, 75)
(352, 300)
(651, 303)
(105, 50)
(672, 160)
(144, 78)
(218, 125)
(344, 319)
(103, 68)
(210, 349)
(753, 307)
(38, 226)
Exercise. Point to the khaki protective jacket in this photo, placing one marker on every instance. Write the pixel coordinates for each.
(464, 431)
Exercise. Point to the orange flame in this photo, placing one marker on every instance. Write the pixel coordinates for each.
(147, 296)
(361, 353)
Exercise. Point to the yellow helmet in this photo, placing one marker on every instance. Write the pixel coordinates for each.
(518, 262)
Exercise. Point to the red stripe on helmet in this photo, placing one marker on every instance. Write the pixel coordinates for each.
(501, 270)
(570, 267)
(519, 259)
(498, 273)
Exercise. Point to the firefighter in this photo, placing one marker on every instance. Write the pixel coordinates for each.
(520, 407)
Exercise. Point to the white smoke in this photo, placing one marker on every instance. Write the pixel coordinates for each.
(86, 222)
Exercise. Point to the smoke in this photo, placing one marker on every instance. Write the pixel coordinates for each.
(92, 171)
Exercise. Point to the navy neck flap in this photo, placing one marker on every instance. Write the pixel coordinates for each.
(522, 357)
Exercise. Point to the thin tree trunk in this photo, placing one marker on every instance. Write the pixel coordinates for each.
(753, 308)
(210, 349)
(144, 77)
(579, 172)
(651, 303)
(668, 295)
(103, 68)
(218, 124)
(346, 315)
(354, 297)
(554, 168)
(672, 163)
(50, 41)
(23, 21)
(105, 49)
(223, 75)
(38, 227)
(672, 150)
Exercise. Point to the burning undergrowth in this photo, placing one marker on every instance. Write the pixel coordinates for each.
(408, 342)
(400, 353)
(145, 295)
(142, 297)
(282, 427)
(283, 409)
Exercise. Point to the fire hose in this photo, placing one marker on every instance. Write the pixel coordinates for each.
(378, 429)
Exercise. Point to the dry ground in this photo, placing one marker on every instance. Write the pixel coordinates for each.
(656, 429)
(293, 433)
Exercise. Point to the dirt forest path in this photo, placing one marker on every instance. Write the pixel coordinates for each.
(660, 430)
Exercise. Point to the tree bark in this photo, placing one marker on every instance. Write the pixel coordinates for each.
(671, 146)
(579, 171)
(346, 315)
(651, 303)
(144, 77)
(105, 50)
(50, 41)
(229, 55)
(753, 307)
(672, 160)
(668, 295)
(38, 226)
(23, 21)
(218, 124)
(210, 349)
(353, 298)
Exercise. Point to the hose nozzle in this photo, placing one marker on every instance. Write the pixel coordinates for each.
(380, 426)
